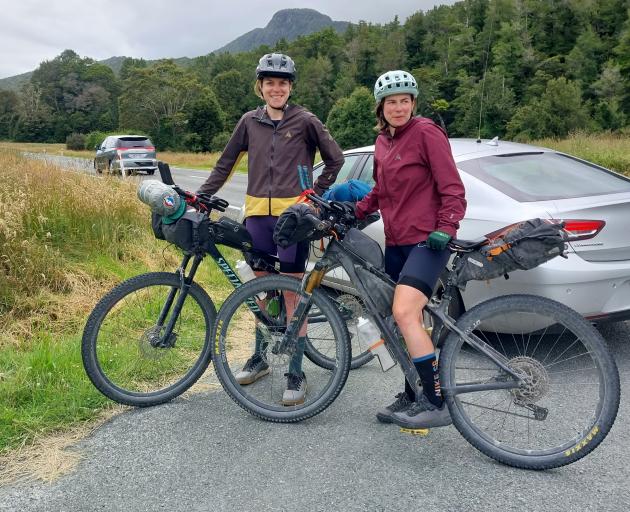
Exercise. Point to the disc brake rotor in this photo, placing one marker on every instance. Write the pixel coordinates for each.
(535, 377)
(353, 304)
(152, 345)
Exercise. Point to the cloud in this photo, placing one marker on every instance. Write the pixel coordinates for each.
(33, 31)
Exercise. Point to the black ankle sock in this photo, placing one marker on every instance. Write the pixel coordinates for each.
(411, 394)
(427, 367)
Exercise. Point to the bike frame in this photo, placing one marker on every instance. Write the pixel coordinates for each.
(342, 253)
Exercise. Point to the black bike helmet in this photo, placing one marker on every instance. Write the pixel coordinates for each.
(276, 65)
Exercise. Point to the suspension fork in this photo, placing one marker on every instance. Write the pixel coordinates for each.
(300, 314)
(185, 284)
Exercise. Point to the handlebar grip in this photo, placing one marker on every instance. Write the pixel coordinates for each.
(318, 224)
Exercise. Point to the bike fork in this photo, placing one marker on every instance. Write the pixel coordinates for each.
(166, 339)
(300, 315)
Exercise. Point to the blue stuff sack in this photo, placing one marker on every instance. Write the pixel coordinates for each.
(351, 190)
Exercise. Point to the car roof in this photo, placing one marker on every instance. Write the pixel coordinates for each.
(130, 136)
(466, 149)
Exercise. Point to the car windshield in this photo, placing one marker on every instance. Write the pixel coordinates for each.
(134, 142)
(543, 176)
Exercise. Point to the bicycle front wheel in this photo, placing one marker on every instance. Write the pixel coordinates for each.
(126, 352)
(264, 389)
(569, 395)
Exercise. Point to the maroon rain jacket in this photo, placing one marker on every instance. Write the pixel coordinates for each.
(418, 188)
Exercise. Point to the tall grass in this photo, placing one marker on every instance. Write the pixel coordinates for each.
(65, 239)
(607, 150)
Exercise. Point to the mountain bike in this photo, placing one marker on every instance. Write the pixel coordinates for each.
(528, 381)
(148, 339)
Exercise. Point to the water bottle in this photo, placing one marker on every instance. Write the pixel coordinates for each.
(162, 199)
(246, 273)
(370, 335)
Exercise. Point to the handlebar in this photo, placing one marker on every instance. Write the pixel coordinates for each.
(201, 202)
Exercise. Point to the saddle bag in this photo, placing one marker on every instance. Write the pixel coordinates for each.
(521, 246)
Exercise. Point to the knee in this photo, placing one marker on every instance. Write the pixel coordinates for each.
(405, 313)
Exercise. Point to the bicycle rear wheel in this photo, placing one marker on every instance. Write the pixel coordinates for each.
(570, 393)
(350, 307)
(124, 350)
(235, 342)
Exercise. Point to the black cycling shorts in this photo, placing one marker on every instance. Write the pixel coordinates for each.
(416, 266)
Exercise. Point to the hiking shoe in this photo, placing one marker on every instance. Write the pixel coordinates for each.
(401, 403)
(423, 414)
(254, 369)
(296, 389)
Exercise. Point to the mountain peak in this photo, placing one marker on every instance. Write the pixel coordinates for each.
(286, 24)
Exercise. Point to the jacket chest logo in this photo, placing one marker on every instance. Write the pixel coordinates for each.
(288, 135)
(397, 157)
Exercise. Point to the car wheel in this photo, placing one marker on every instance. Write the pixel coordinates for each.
(125, 173)
(97, 168)
(108, 167)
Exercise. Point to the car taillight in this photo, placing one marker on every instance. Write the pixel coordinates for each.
(580, 229)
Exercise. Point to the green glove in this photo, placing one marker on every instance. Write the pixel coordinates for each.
(438, 240)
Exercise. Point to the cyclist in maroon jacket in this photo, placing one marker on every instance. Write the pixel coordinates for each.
(421, 198)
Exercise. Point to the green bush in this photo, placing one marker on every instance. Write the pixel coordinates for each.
(75, 141)
(93, 139)
(219, 141)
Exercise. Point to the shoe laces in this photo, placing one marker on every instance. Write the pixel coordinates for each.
(252, 362)
(402, 400)
(420, 405)
(294, 381)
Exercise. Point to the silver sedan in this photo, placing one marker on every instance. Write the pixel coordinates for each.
(507, 183)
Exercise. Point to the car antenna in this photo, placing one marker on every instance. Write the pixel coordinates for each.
(483, 81)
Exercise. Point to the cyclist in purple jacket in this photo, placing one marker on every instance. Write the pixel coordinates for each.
(278, 137)
(421, 198)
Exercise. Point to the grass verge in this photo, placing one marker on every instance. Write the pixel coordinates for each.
(65, 239)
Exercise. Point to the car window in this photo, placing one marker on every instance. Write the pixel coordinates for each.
(543, 176)
(347, 166)
(133, 142)
(366, 172)
(110, 142)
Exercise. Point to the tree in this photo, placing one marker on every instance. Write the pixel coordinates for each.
(351, 119)
(235, 94)
(170, 103)
(313, 88)
(557, 113)
(9, 114)
(206, 119)
(35, 117)
(482, 108)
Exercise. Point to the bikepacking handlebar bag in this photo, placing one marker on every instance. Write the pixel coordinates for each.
(521, 246)
(194, 232)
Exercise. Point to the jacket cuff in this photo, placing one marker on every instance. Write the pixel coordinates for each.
(449, 230)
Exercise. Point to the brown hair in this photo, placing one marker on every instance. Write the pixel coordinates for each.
(381, 122)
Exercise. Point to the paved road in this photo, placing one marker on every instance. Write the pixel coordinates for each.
(204, 453)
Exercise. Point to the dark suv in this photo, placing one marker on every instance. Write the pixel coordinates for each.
(125, 155)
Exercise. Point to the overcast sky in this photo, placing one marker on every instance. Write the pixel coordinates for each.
(33, 31)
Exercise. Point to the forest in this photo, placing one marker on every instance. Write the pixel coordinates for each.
(517, 69)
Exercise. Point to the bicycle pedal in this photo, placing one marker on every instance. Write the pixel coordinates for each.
(422, 432)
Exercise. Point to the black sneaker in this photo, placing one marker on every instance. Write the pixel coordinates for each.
(423, 414)
(296, 389)
(254, 369)
(401, 403)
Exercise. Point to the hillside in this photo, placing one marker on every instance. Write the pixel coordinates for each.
(288, 24)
